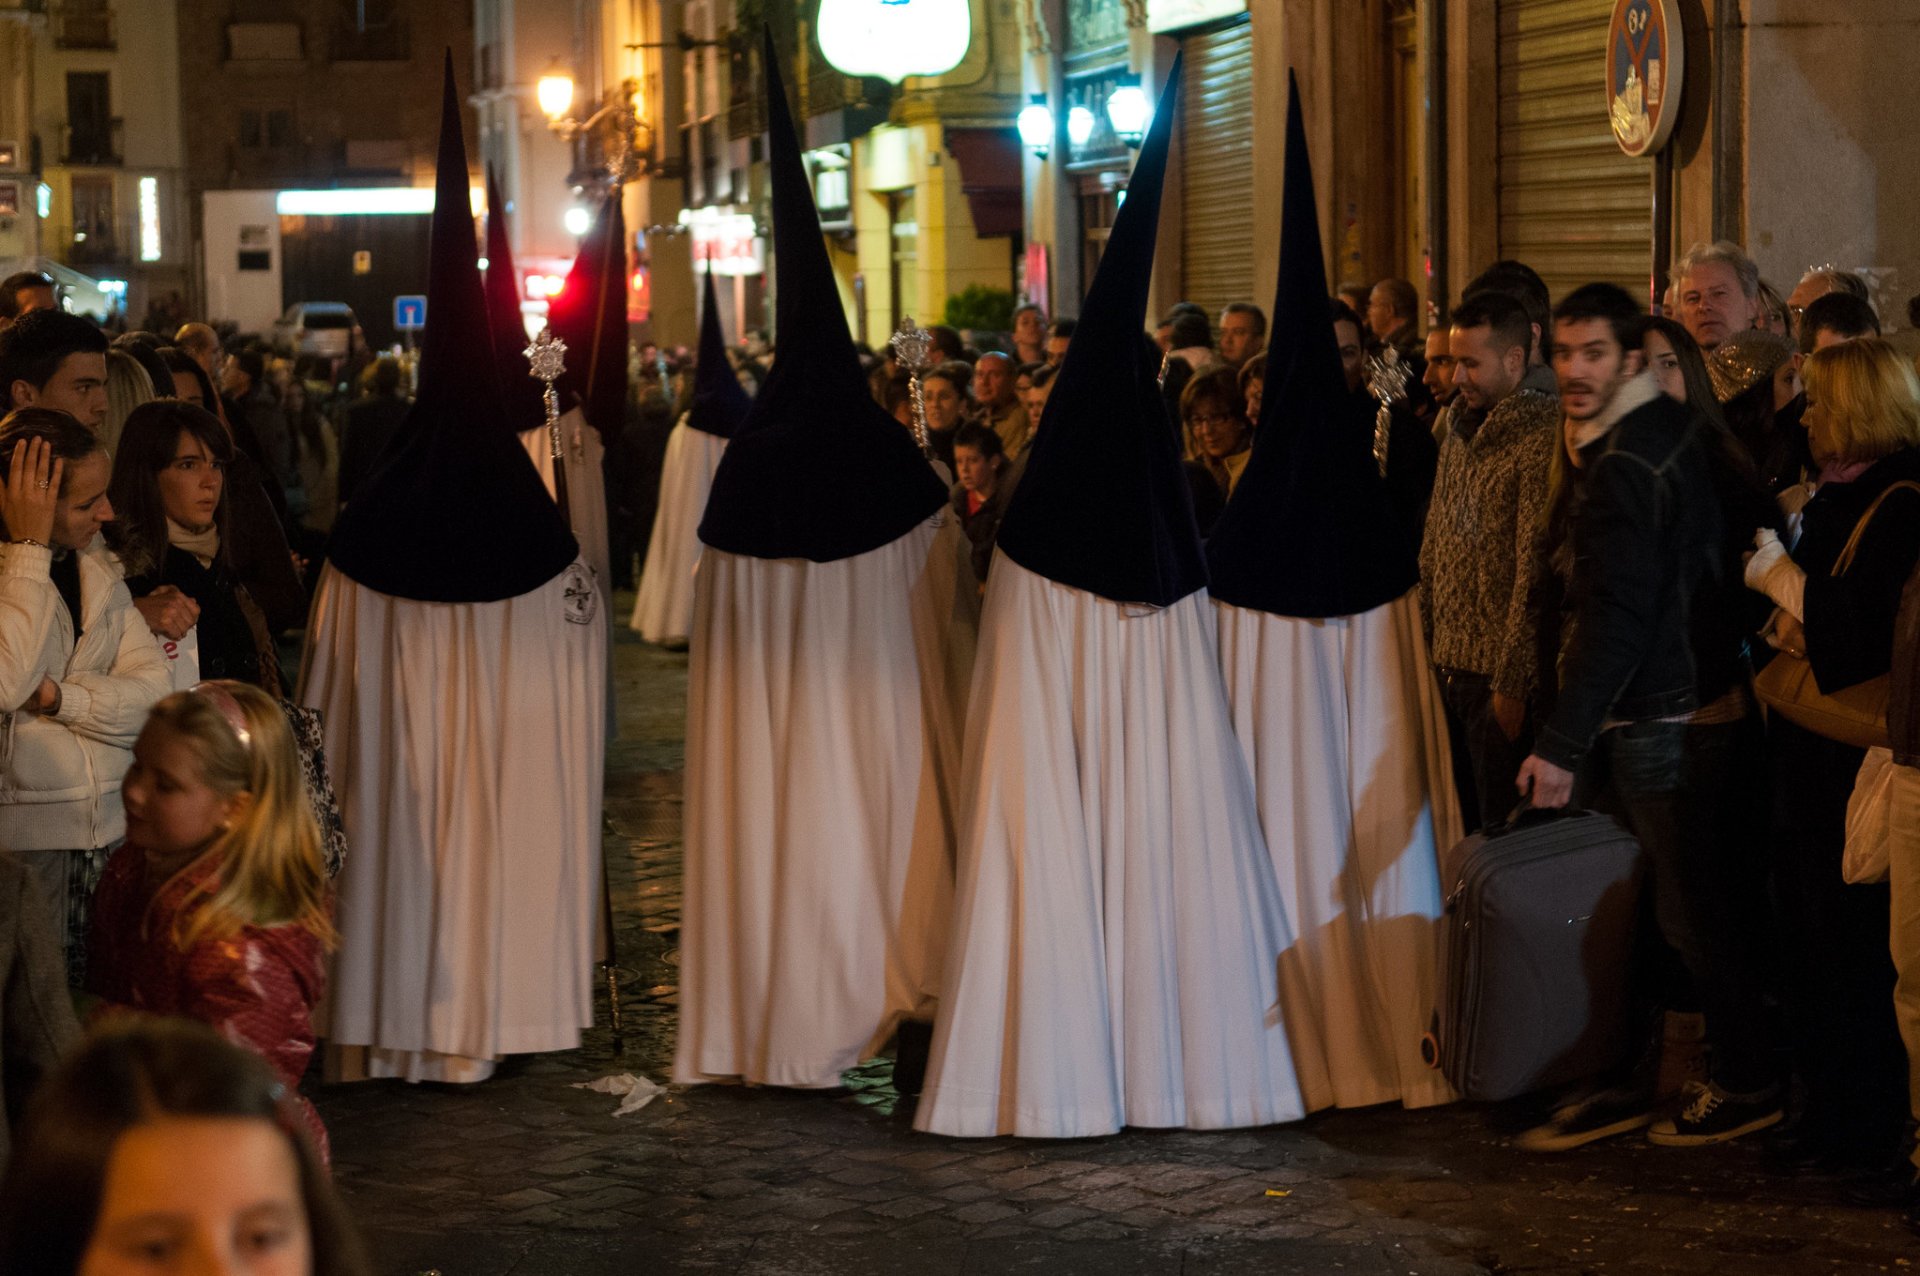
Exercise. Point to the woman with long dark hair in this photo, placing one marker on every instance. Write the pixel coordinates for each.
(159, 1135)
(170, 491)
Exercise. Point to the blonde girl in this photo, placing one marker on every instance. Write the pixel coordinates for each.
(217, 907)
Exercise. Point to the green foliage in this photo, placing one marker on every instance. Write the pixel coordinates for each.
(980, 307)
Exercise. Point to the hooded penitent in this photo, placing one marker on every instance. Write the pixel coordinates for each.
(1102, 504)
(814, 428)
(1311, 529)
(663, 605)
(520, 393)
(590, 315)
(720, 402)
(1334, 703)
(825, 692)
(1117, 924)
(454, 654)
(454, 514)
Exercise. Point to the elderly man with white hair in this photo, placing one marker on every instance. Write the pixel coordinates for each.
(1717, 291)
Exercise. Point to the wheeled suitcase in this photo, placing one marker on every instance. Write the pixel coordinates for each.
(1538, 940)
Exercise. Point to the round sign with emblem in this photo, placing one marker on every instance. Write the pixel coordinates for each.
(1645, 62)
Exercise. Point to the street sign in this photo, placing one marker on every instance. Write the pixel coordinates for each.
(410, 313)
(1646, 60)
(362, 262)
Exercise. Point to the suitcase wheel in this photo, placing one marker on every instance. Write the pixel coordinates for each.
(1430, 1050)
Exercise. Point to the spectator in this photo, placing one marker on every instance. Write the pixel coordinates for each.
(145, 349)
(995, 394)
(202, 344)
(188, 379)
(1677, 366)
(1058, 338)
(1219, 442)
(1393, 312)
(74, 656)
(1832, 318)
(172, 531)
(1863, 422)
(1350, 336)
(1358, 297)
(1650, 706)
(1758, 389)
(1193, 342)
(128, 386)
(947, 345)
(1718, 290)
(251, 397)
(1253, 385)
(980, 491)
(1438, 379)
(1243, 333)
(371, 426)
(316, 456)
(899, 399)
(1819, 282)
(51, 359)
(1476, 557)
(160, 1137)
(36, 1014)
(1772, 314)
(1030, 334)
(943, 395)
(23, 293)
(1036, 402)
(217, 907)
(1521, 282)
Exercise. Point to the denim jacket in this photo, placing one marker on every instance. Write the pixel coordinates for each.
(1643, 525)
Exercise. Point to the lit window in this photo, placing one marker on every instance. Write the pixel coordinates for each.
(149, 219)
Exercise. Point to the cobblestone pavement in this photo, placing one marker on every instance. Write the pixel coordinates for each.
(528, 1175)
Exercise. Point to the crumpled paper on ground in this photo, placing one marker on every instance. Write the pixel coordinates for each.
(635, 1092)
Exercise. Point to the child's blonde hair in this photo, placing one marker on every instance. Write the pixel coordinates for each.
(272, 872)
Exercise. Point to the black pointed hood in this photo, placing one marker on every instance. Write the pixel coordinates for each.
(1311, 529)
(521, 394)
(590, 315)
(817, 470)
(455, 513)
(1103, 504)
(720, 402)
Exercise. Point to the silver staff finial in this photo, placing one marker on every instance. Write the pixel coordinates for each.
(913, 349)
(546, 360)
(1387, 378)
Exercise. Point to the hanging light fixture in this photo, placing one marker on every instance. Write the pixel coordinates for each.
(1036, 126)
(1079, 125)
(555, 91)
(1129, 111)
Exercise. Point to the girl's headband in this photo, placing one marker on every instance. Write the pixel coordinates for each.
(222, 699)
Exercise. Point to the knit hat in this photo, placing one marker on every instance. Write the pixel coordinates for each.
(1744, 360)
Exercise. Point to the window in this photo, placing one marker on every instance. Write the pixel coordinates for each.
(369, 31)
(90, 122)
(279, 128)
(250, 134)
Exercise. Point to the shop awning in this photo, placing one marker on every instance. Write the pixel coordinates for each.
(990, 177)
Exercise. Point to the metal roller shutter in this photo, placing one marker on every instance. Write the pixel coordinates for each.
(1216, 115)
(1572, 205)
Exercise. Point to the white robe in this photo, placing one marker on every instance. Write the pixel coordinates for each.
(823, 721)
(586, 490)
(1116, 924)
(1342, 727)
(663, 611)
(467, 746)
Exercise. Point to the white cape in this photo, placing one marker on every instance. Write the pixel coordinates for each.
(467, 745)
(663, 611)
(1342, 726)
(824, 709)
(586, 489)
(1117, 925)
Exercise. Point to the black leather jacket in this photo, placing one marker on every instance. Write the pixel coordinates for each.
(1643, 523)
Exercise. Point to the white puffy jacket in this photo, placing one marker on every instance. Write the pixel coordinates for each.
(60, 775)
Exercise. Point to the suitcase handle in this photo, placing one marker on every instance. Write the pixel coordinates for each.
(1526, 815)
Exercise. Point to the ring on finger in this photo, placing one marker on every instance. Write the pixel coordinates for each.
(43, 484)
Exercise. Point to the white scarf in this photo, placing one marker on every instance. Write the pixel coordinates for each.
(203, 544)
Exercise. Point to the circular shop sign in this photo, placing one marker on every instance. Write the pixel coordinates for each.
(1645, 61)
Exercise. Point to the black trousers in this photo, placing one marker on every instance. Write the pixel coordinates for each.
(1670, 784)
(1485, 762)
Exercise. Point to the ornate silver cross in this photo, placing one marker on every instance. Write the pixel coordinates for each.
(1387, 378)
(546, 360)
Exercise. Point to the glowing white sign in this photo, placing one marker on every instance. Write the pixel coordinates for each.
(895, 38)
(149, 219)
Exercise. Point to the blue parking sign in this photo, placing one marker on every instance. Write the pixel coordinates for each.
(410, 313)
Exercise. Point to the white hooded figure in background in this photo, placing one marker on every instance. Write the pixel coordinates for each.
(822, 718)
(459, 656)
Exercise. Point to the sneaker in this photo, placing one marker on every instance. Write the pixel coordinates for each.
(1593, 1117)
(1713, 1115)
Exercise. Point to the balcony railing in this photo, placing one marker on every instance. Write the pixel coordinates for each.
(92, 145)
(82, 25)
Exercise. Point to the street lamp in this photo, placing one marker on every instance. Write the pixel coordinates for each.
(1079, 125)
(555, 91)
(1129, 111)
(1036, 126)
